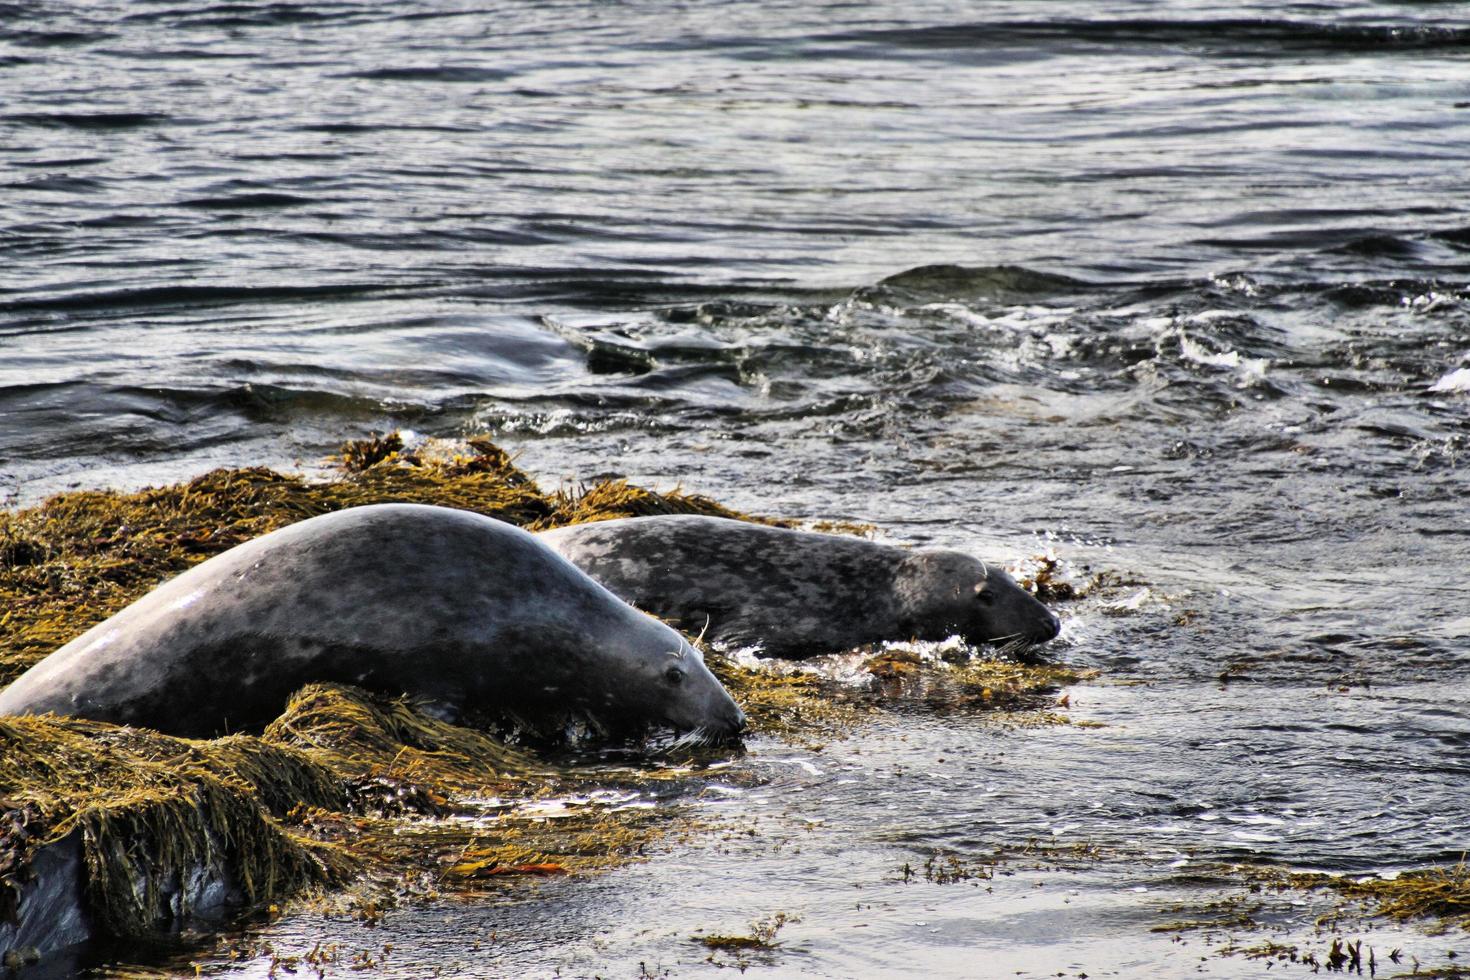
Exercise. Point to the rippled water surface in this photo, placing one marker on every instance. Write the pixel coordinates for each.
(1177, 291)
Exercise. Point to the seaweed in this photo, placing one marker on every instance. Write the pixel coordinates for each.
(789, 704)
(1438, 893)
(301, 805)
(153, 812)
(23, 828)
(762, 936)
(1436, 899)
(612, 499)
(368, 738)
(985, 682)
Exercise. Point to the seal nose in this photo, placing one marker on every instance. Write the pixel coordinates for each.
(1051, 630)
(737, 722)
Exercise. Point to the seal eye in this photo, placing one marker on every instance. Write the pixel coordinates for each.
(674, 675)
(985, 597)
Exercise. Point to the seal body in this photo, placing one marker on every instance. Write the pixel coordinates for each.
(473, 614)
(797, 594)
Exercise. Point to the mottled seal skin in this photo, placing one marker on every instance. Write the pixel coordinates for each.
(473, 614)
(797, 594)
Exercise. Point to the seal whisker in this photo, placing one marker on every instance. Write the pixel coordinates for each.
(1011, 645)
(1018, 648)
(691, 739)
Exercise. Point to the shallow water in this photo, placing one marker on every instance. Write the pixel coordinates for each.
(1212, 336)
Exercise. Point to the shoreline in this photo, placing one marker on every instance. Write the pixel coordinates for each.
(329, 779)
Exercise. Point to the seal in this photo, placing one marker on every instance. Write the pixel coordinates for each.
(797, 594)
(472, 614)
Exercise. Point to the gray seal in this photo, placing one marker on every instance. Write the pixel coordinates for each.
(797, 594)
(472, 614)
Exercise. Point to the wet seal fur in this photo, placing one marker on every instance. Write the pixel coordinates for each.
(798, 594)
(472, 614)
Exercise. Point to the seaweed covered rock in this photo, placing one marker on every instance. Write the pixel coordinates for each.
(120, 831)
(127, 832)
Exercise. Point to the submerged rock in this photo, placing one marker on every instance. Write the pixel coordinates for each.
(46, 908)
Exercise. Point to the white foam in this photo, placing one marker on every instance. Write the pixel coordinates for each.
(1458, 381)
(1197, 352)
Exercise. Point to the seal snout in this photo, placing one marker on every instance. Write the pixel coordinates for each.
(1050, 629)
(728, 726)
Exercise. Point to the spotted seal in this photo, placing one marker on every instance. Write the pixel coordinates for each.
(472, 614)
(797, 594)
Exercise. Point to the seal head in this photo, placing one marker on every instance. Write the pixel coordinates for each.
(947, 593)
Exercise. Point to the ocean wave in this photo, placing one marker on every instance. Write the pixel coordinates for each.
(152, 297)
(248, 201)
(1222, 36)
(254, 15)
(946, 283)
(90, 121)
(442, 73)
